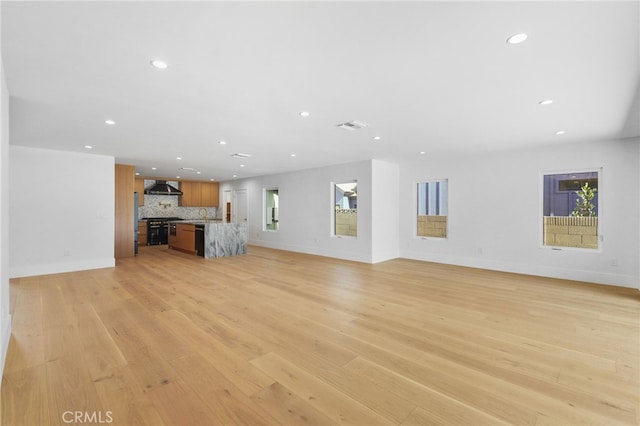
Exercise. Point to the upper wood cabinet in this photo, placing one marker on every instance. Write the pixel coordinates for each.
(140, 191)
(199, 194)
(191, 194)
(209, 193)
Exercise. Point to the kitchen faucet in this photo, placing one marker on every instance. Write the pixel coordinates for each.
(203, 213)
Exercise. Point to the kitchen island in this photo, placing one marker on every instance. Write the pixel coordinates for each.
(210, 239)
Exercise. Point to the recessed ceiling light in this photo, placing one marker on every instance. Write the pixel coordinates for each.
(212, 180)
(376, 138)
(157, 63)
(197, 173)
(178, 158)
(222, 142)
(517, 38)
(304, 113)
(546, 102)
(422, 152)
(293, 155)
(154, 168)
(241, 165)
(235, 175)
(109, 122)
(560, 132)
(88, 147)
(177, 177)
(137, 173)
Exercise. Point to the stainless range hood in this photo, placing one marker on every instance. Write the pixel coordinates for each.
(161, 187)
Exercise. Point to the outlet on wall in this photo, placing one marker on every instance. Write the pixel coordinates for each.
(614, 262)
(66, 252)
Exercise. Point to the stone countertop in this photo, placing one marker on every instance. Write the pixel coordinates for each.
(199, 221)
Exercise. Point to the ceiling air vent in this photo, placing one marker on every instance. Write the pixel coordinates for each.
(240, 155)
(352, 125)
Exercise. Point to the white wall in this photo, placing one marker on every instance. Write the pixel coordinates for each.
(305, 210)
(508, 185)
(5, 316)
(385, 227)
(62, 211)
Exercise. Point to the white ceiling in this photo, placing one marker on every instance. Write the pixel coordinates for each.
(436, 77)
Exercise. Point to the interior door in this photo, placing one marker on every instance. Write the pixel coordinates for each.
(239, 210)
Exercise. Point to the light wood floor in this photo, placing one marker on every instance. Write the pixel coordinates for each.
(281, 338)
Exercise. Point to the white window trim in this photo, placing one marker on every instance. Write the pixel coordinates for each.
(541, 243)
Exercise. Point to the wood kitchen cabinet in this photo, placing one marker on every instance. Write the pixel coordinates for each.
(191, 194)
(142, 232)
(139, 188)
(199, 194)
(209, 194)
(184, 238)
(124, 222)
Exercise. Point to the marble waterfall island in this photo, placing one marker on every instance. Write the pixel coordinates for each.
(224, 239)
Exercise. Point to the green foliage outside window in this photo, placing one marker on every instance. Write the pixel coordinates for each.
(584, 207)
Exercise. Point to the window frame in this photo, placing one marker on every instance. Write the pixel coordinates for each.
(416, 209)
(264, 209)
(600, 210)
(334, 210)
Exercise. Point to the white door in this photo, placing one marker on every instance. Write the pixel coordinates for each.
(239, 210)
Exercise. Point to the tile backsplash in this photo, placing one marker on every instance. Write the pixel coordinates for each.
(167, 206)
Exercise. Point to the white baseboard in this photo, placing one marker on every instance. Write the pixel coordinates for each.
(595, 277)
(58, 268)
(344, 255)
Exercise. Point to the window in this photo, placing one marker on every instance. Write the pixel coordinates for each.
(346, 209)
(432, 209)
(271, 208)
(570, 209)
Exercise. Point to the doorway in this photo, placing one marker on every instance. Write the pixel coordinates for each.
(239, 210)
(226, 205)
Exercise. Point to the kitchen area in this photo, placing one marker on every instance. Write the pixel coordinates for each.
(185, 216)
(182, 215)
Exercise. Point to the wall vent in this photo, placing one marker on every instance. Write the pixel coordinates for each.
(352, 125)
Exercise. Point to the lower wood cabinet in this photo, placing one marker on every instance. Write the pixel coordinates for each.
(142, 233)
(184, 238)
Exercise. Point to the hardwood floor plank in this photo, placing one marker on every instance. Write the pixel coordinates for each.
(288, 408)
(336, 405)
(126, 401)
(446, 415)
(219, 394)
(25, 398)
(230, 364)
(103, 354)
(70, 388)
(27, 343)
(275, 337)
(178, 404)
